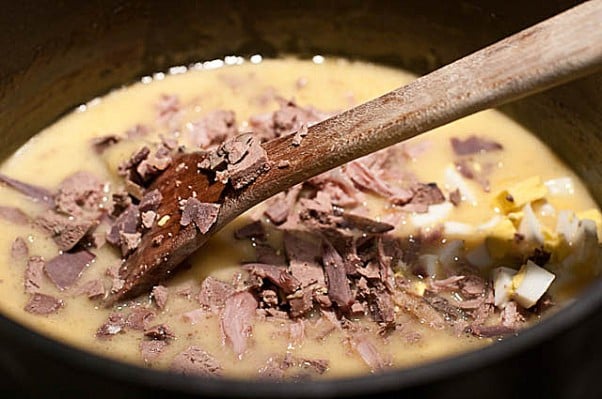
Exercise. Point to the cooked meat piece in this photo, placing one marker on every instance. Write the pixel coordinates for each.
(215, 128)
(43, 304)
(100, 144)
(19, 249)
(474, 144)
(139, 319)
(368, 352)
(202, 214)
(150, 201)
(419, 309)
(34, 273)
(237, 320)
(151, 350)
(13, 215)
(94, 289)
(251, 230)
(79, 194)
(278, 275)
(66, 268)
(301, 302)
(195, 361)
(213, 293)
(160, 332)
(303, 255)
(114, 325)
(160, 294)
(67, 231)
(127, 223)
(36, 193)
(338, 286)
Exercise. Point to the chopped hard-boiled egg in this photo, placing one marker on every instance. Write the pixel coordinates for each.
(530, 227)
(547, 209)
(502, 285)
(489, 224)
(584, 247)
(560, 186)
(454, 180)
(436, 213)
(450, 252)
(520, 194)
(458, 230)
(595, 216)
(567, 224)
(429, 265)
(479, 256)
(551, 240)
(530, 283)
(516, 217)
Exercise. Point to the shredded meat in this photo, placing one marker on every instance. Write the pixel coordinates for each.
(196, 361)
(236, 320)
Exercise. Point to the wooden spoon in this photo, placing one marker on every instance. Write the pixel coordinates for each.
(550, 53)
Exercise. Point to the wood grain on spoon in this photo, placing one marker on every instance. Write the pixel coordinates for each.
(553, 52)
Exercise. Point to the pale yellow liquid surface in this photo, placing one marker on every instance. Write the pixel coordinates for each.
(64, 148)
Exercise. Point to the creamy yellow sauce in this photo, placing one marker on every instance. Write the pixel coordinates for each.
(64, 148)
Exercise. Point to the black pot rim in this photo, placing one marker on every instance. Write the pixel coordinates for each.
(589, 302)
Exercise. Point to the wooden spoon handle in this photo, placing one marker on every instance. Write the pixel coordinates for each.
(550, 53)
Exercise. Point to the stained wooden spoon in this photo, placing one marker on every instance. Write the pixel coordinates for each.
(550, 53)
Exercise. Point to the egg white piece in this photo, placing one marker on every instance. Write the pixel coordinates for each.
(530, 283)
(502, 285)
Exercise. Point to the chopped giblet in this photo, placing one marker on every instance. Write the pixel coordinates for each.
(530, 283)
(521, 193)
(502, 285)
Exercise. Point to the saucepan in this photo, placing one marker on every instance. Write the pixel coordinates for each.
(56, 55)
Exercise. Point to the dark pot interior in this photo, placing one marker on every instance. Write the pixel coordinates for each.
(56, 56)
